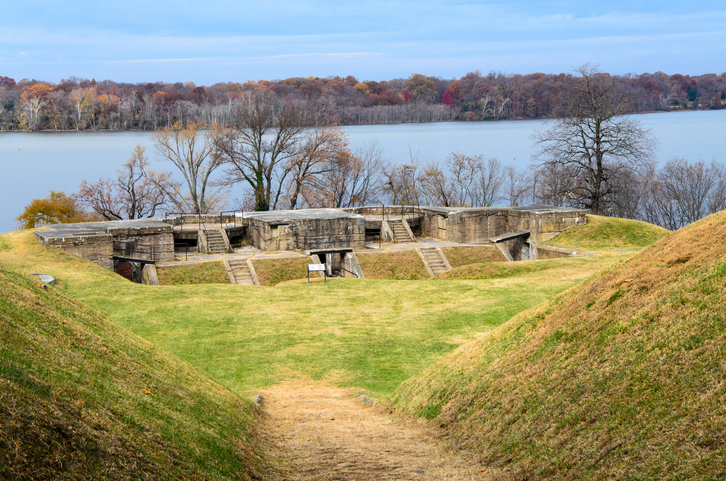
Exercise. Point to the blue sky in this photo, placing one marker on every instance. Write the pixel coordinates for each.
(210, 42)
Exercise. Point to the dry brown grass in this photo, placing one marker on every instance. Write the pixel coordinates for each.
(330, 433)
(271, 272)
(619, 378)
(204, 273)
(462, 256)
(402, 265)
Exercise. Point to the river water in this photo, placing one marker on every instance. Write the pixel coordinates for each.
(35, 163)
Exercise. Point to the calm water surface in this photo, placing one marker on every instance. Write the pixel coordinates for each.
(35, 163)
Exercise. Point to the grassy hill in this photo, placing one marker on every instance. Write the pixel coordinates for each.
(609, 233)
(622, 377)
(369, 334)
(82, 398)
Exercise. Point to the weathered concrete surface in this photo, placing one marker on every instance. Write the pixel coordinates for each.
(505, 252)
(476, 224)
(542, 220)
(150, 275)
(350, 262)
(305, 229)
(94, 241)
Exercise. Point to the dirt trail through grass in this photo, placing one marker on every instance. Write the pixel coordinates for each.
(323, 432)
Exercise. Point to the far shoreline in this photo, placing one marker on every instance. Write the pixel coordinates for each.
(541, 119)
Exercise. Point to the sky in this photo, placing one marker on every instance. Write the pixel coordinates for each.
(222, 41)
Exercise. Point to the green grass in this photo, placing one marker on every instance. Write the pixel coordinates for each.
(83, 383)
(621, 377)
(205, 273)
(371, 334)
(82, 398)
(538, 271)
(608, 234)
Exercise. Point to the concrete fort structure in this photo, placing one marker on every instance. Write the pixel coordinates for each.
(305, 230)
(128, 247)
(471, 225)
(124, 246)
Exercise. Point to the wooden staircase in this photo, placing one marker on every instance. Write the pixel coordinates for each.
(434, 260)
(240, 273)
(215, 242)
(400, 233)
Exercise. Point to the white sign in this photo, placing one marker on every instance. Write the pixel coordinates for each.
(316, 267)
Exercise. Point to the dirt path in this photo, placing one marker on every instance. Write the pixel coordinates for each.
(329, 433)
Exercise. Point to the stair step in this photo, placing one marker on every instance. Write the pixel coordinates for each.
(434, 260)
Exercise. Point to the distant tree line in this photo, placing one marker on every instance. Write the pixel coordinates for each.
(81, 104)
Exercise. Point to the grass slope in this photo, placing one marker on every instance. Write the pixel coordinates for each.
(401, 265)
(462, 256)
(81, 398)
(205, 273)
(372, 334)
(622, 377)
(271, 272)
(608, 233)
(565, 268)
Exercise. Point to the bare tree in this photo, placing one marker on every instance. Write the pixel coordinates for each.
(717, 196)
(194, 157)
(265, 134)
(464, 181)
(401, 184)
(518, 186)
(465, 171)
(357, 183)
(131, 196)
(688, 185)
(325, 151)
(594, 139)
(630, 198)
(555, 184)
(436, 187)
(488, 185)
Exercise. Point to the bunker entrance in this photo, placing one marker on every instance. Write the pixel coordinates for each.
(128, 269)
(339, 262)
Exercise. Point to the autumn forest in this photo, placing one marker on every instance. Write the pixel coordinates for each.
(81, 104)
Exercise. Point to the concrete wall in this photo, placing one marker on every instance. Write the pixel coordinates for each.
(466, 225)
(462, 225)
(539, 223)
(477, 225)
(94, 248)
(329, 233)
(160, 239)
(202, 220)
(94, 241)
(269, 237)
(307, 234)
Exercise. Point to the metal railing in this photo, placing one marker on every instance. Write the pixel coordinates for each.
(416, 213)
(349, 272)
(200, 221)
(234, 216)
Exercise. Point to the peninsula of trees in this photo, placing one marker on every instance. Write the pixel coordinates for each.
(81, 104)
